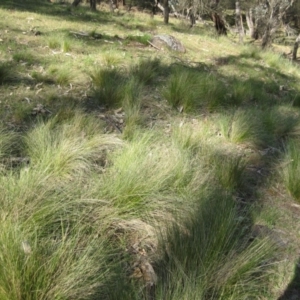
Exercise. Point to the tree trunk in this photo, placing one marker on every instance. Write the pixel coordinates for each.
(219, 24)
(192, 19)
(296, 46)
(93, 4)
(76, 2)
(250, 23)
(111, 6)
(266, 39)
(166, 11)
(238, 21)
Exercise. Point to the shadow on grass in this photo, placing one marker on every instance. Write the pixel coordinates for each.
(218, 233)
(65, 11)
(293, 289)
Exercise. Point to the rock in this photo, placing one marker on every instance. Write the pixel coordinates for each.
(161, 40)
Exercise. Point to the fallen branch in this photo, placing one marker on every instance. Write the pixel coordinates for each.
(80, 33)
(153, 46)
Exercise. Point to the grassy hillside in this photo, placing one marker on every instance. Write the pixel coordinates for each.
(128, 172)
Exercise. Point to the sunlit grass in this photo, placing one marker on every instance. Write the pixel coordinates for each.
(185, 171)
(66, 150)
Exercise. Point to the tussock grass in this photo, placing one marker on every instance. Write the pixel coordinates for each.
(66, 150)
(144, 170)
(207, 258)
(108, 84)
(63, 268)
(274, 60)
(251, 52)
(147, 70)
(111, 58)
(291, 169)
(180, 90)
(131, 103)
(191, 138)
(24, 57)
(193, 90)
(243, 126)
(7, 142)
(61, 76)
(242, 92)
(65, 257)
(228, 171)
(5, 73)
(281, 122)
(66, 46)
(143, 39)
(54, 43)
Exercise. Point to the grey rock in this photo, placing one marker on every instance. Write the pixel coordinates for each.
(161, 40)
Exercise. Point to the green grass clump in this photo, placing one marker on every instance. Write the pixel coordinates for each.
(242, 92)
(111, 58)
(61, 76)
(108, 84)
(54, 43)
(49, 247)
(143, 39)
(66, 46)
(24, 57)
(207, 257)
(291, 169)
(211, 92)
(251, 52)
(180, 90)
(281, 122)
(143, 172)
(5, 73)
(7, 142)
(244, 126)
(274, 60)
(66, 150)
(66, 267)
(228, 171)
(191, 90)
(131, 103)
(147, 70)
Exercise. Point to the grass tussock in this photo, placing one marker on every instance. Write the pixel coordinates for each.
(5, 73)
(142, 39)
(7, 143)
(291, 169)
(191, 90)
(251, 52)
(146, 71)
(61, 76)
(243, 127)
(228, 171)
(131, 103)
(66, 150)
(282, 122)
(144, 169)
(108, 84)
(207, 258)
